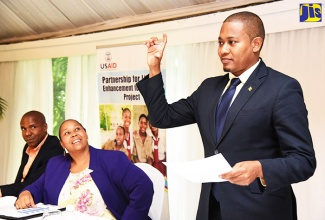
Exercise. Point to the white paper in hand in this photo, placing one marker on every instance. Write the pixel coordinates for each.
(201, 171)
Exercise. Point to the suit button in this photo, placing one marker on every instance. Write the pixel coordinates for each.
(216, 151)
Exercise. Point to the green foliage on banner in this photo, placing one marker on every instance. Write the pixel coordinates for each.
(110, 115)
(105, 117)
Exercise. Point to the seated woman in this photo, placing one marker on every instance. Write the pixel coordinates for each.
(97, 182)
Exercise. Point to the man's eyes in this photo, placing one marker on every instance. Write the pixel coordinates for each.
(231, 42)
(24, 129)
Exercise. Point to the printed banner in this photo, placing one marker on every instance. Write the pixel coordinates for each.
(123, 114)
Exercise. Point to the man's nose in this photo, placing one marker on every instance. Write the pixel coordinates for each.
(28, 132)
(224, 49)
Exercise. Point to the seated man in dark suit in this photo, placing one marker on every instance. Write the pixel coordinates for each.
(39, 148)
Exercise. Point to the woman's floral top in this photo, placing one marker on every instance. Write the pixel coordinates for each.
(81, 191)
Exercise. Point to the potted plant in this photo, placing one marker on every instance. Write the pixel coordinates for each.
(3, 107)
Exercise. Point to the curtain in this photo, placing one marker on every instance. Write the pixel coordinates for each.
(26, 85)
(82, 95)
(7, 74)
(186, 67)
(299, 54)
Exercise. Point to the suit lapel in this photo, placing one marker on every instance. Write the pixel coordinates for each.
(216, 94)
(249, 88)
(40, 155)
(22, 165)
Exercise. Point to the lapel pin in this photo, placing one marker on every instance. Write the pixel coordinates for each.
(250, 88)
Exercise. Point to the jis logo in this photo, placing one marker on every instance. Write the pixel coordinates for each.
(310, 12)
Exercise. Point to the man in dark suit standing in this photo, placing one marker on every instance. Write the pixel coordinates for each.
(39, 148)
(264, 134)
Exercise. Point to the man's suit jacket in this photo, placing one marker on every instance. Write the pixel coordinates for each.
(50, 148)
(267, 122)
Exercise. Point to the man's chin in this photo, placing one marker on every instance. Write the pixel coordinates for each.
(226, 70)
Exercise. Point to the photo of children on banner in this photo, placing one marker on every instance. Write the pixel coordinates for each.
(121, 139)
(146, 144)
(126, 118)
(158, 148)
(118, 142)
(142, 148)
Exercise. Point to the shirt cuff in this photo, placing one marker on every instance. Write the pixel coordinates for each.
(263, 182)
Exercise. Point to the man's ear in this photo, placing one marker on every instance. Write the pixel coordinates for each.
(257, 43)
(45, 127)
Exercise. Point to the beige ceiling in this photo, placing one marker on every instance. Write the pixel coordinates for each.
(28, 20)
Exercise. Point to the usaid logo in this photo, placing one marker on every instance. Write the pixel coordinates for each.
(310, 12)
(108, 65)
(108, 56)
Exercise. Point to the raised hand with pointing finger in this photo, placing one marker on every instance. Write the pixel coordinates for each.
(155, 53)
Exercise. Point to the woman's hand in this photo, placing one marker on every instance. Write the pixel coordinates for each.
(25, 200)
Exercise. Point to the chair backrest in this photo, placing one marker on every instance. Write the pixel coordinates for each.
(158, 181)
